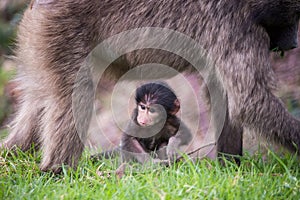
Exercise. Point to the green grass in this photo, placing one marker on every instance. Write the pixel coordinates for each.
(275, 178)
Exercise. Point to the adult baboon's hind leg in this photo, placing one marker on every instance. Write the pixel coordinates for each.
(25, 128)
(66, 122)
(53, 61)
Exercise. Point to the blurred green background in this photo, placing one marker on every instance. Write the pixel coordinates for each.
(10, 15)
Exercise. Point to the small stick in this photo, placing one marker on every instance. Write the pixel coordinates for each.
(202, 147)
(167, 162)
(194, 151)
(120, 172)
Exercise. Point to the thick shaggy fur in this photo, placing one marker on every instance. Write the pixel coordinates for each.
(55, 36)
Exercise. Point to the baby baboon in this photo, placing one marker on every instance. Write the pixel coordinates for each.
(55, 37)
(154, 129)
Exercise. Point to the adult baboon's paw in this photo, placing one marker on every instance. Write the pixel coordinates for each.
(55, 169)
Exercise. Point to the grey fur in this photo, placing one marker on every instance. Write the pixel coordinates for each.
(55, 36)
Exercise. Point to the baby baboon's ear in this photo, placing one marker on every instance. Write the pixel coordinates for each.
(176, 107)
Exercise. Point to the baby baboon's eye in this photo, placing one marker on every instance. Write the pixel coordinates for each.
(142, 107)
(152, 110)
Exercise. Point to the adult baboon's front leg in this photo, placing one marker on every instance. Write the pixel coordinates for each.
(230, 142)
(248, 80)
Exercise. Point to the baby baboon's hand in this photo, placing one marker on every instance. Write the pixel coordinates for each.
(173, 148)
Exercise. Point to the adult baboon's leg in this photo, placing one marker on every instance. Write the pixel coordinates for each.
(230, 142)
(66, 123)
(248, 81)
(25, 128)
(54, 63)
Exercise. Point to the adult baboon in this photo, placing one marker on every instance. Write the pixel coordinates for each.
(55, 37)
